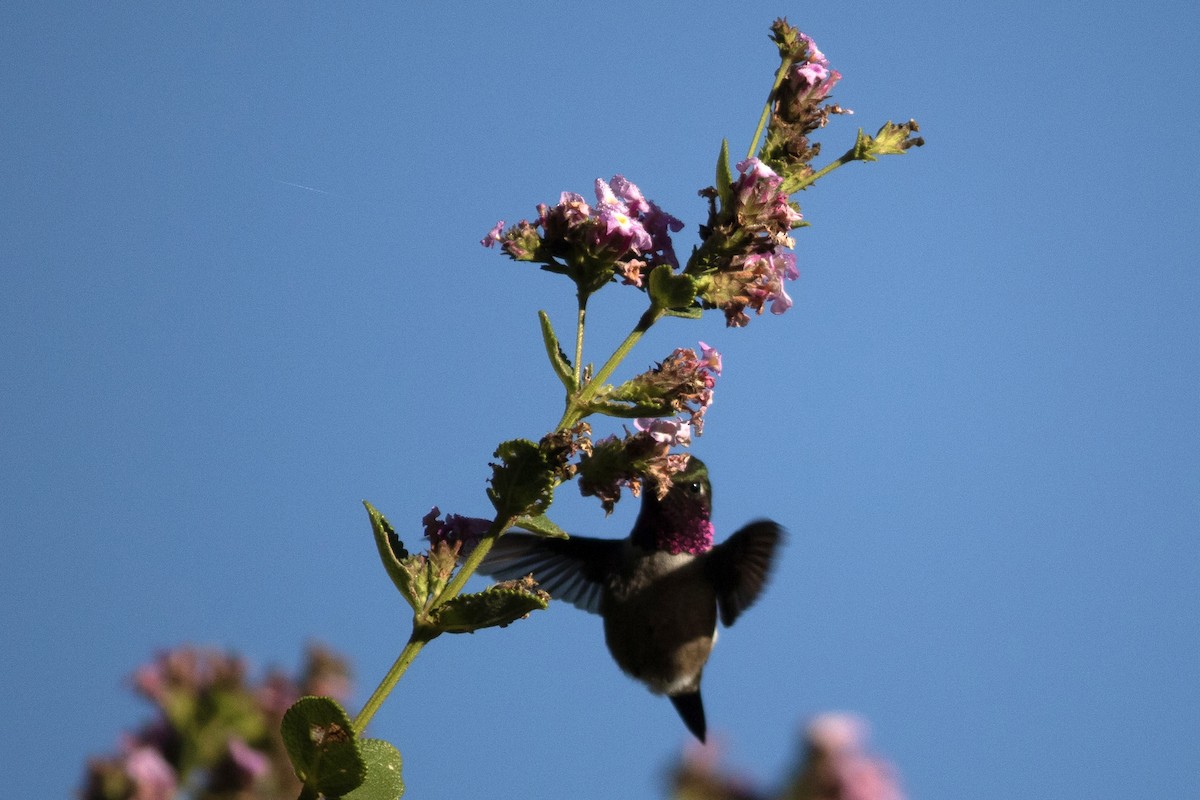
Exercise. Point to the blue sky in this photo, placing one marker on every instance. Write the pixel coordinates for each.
(979, 422)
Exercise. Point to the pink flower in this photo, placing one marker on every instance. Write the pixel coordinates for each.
(670, 431)
(814, 54)
(620, 233)
(758, 281)
(251, 763)
(814, 82)
(710, 358)
(632, 196)
(632, 272)
(620, 205)
(761, 206)
(493, 236)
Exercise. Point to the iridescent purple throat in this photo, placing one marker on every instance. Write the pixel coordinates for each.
(693, 534)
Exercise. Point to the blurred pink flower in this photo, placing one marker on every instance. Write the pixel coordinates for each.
(839, 741)
(252, 763)
(152, 777)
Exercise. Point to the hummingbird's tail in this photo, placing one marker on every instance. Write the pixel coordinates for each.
(691, 709)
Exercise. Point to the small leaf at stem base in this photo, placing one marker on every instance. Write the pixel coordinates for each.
(669, 291)
(384, 779)
(320, 743)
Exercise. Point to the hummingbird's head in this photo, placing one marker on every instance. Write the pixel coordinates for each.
(680, 521)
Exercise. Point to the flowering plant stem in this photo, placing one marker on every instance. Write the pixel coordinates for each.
(780, 75)
(828, 168)
(578, 404)
(419, 638)
(582, 318)
(423, 633)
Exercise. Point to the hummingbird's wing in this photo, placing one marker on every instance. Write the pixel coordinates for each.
(569, 569)
(738, 567)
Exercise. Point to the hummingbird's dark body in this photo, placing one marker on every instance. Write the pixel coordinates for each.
(659, 591)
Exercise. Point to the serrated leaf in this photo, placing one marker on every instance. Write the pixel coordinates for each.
(498, 606)
(630, 409)
(670, 291)
(724, 177)
(384, 778)
(389, 546)
(541, 525)
(320, 743)
(558, 359)
(894, 140)
(862, 147)
(522, 482)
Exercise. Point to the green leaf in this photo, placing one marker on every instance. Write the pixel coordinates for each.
(320, 743)
(522, 482)
(890, 140)
(499, 606)
(724, 177)
(670, 291)
(630, 408)
(541, 525)
(558, 359)
(384, 780)
(391, 553)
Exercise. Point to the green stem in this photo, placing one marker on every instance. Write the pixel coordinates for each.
(780, 74)
(825, 170)
(577, 407)
(423, 633)
(579, 338)
(421, 636)
(472, 562)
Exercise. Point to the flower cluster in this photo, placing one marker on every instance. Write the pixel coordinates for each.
(800, 104)
(839, 766)
(630, 461)
(622, 234)
(834, 765)
(561, 447)
(682, 382)
(744, 260)
(811, 80)
(763, 212)
(215, 735)
(750, 240)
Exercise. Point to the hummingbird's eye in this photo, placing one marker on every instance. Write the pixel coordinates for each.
(695, 488)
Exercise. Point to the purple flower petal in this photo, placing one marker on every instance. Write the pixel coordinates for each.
(670, 431)
(493, 236)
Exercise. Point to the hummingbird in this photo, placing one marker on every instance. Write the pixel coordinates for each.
(660, 590)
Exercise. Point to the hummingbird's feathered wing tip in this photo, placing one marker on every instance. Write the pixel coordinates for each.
(569, 569)
(691, 710)
(739, 566)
